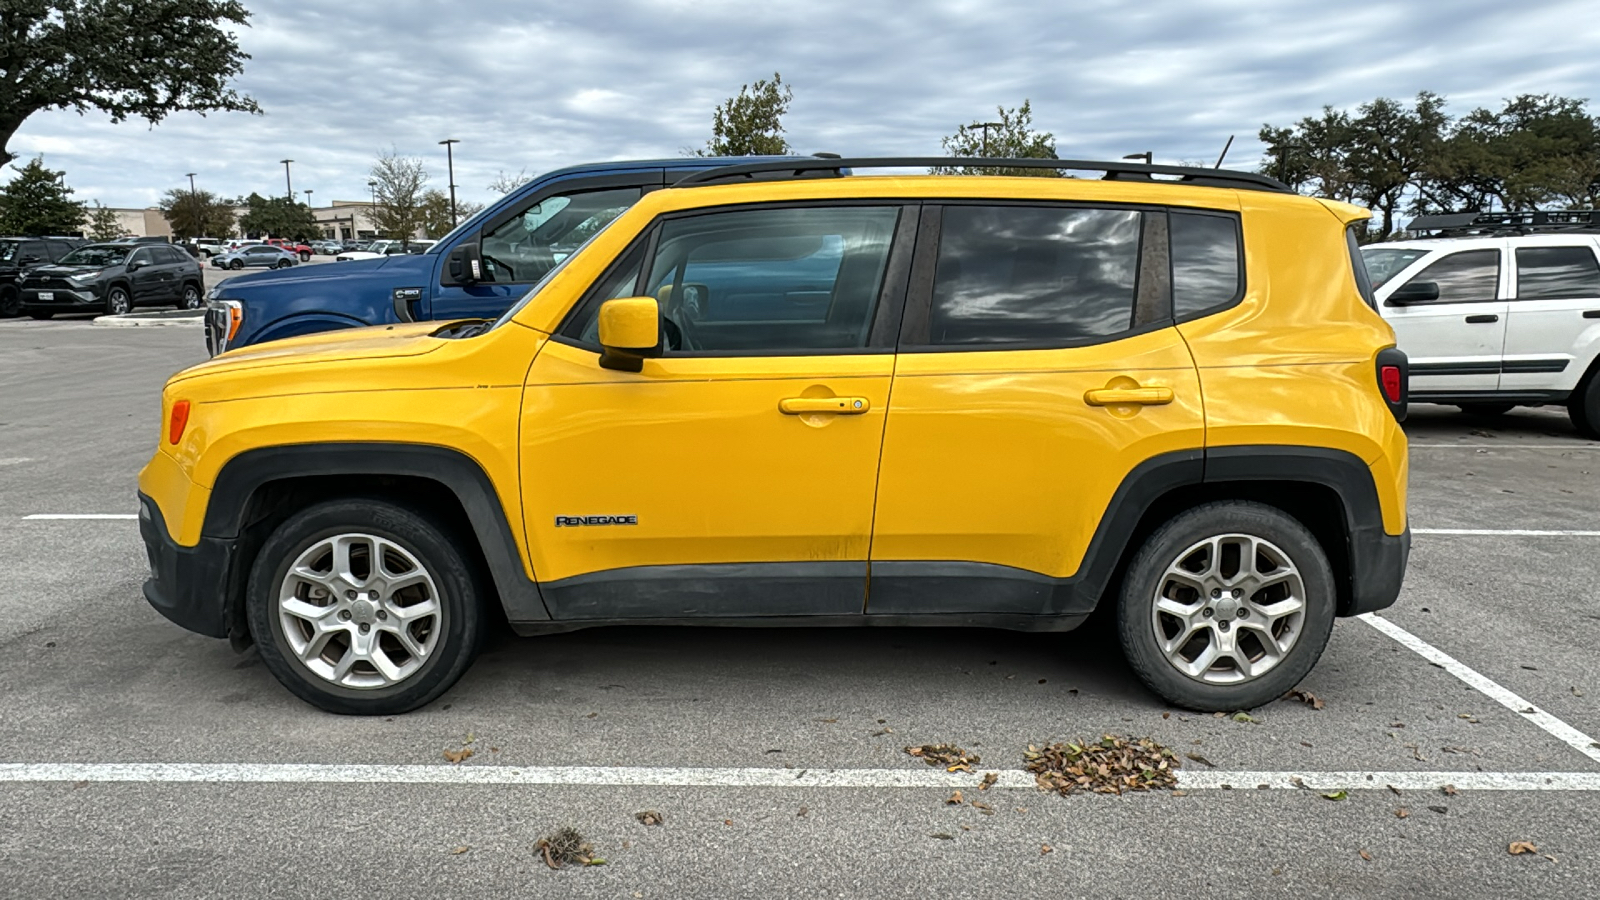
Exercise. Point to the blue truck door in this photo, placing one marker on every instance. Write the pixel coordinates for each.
(529, 236)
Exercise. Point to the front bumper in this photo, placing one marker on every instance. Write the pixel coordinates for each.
(61, 299)
(187, 584)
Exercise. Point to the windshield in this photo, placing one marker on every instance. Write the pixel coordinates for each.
(549, 276)
(1385, 263)
(8, 251)
(100, 255)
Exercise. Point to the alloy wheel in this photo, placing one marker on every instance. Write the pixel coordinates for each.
(118, 302)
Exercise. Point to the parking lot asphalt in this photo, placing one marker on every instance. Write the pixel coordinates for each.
(137, 759)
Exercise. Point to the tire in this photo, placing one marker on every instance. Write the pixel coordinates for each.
(1189, 543)
(236, 264)
(282, 264)
(41, 316)
(10, 303)
(1584, 406)
(118, 301)
(304, 256)
(1486, 409)
(191, 298)
(448, 638)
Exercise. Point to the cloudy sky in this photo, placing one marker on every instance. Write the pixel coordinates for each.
(537, 85)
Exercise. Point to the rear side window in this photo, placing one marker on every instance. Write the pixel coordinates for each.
(1549, 273)
(1205, 262)
(1471, 276)
(1008, 274)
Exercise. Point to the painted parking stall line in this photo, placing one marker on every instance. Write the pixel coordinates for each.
(1504, 532)
(1553, 726)
(622, 776)
(47, 517)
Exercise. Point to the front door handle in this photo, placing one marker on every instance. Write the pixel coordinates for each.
(810, 406)
(1482, 320)
(1140, 396)
(1591, 314)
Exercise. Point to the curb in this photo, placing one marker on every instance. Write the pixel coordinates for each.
(186, 319)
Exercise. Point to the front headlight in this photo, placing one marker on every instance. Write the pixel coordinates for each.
(81, 278)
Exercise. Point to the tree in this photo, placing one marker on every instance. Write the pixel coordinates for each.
(197, 213)
(278, 217)
(147, 59)
(103, 223)
(436, 212)
(751, 124)
(401, 183)
(505, 184)
(1013, 137)
(1536, 150)
(38, 202)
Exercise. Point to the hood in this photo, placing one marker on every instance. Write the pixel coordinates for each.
(377, 342)
(403, 267)
(59, 269)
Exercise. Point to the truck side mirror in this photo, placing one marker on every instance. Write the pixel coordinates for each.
(465, 264)
(630, 331)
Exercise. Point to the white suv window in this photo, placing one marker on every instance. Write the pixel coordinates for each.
(1471, 276)
(1553, 273)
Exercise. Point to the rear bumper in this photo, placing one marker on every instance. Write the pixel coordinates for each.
(1377, 569)
(187, 584)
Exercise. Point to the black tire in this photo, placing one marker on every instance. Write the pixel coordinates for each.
(458, 597)
(236, 264)
(10, 303)
(192, 298)
(305, 256)
(1584, 406)
(41, 316)
(1486, 409)
(118, 301)
(282, 264)
(1136, 619)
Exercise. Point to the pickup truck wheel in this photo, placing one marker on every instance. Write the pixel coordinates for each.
(362, 607)
(1584, 407)
(305, 256)
(10, 302)
(1227, 606)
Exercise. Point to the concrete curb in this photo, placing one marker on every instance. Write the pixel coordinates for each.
(184, 319)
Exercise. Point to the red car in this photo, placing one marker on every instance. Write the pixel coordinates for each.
(295, 247)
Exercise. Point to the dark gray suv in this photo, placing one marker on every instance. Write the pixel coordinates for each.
(17, 255)
(113, 279)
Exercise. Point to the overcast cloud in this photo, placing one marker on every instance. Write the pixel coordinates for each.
(537, 86)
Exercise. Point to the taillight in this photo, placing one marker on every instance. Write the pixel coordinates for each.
(1390, 376)
(1394, 377)
(177, 421)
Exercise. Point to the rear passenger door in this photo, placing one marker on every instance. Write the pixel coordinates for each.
(1454, 342)
(1039, 364)
(1554, 322)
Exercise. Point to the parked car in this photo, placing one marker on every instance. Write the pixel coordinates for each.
(205, 248)
(380, 249)
(352, 244)
(479, 269)
(1501, 310)
(326, 248)
(839, 402)
(114, 279)
(257, 256)
(18, 254)
(303, 251)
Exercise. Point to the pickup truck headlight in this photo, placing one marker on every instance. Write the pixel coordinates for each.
(82, 278)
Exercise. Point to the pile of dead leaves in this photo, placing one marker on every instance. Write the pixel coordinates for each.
(1108, 766)
(567, 846)
(953, 758)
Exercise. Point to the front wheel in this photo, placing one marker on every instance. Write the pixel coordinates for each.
(10, 303)
(361, 607)
(236, 264)
(282, 264)
(118, 301)
(191, 297)
(1227, 606)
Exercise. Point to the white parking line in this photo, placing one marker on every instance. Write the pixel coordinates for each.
(36, 517)
(1558, 729)
(1504, 532)
(597, 776)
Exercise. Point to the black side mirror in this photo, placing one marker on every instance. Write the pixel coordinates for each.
(135, 266)
(465, 264)
(1414, 292)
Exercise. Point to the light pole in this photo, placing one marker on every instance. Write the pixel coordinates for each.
(986, 126)
(450, 160)
(288, 186)
(194, 206)
(372, 210)
(307, 192)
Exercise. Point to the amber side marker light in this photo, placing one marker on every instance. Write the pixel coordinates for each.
(235, 319)
(178, 421)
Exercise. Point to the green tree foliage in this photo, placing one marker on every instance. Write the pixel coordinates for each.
(278, 217)
(146, 59)
(197, 214)
(1011, 136)
(103, 223)
(751, 124)
(38, 201)
(402, 181)
(436, 221)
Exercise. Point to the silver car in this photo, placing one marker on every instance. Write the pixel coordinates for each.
(262, 255)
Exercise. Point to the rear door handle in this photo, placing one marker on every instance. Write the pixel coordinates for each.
(1141, 396)
(809, 406)
(1481, 320)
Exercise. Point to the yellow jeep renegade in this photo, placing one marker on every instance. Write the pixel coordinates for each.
(768, 396)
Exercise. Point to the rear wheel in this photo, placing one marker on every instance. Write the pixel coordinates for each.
(361, 607)
(10, 302)
(39, 315)
(282, 264)
(1227, 606)
(1584, 407)
(1486, 409)
(305, 256)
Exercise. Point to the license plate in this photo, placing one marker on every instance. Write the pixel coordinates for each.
(47, 295)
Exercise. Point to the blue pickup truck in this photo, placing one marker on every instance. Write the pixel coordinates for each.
(476, 271)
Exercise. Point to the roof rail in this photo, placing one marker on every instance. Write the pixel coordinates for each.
(1114, 171)
(1481, 223)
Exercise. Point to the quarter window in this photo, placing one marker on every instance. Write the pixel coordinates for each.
(1205, 262)
(525, 247)
(1547, 273)
(1468, 277)
(1008, 274)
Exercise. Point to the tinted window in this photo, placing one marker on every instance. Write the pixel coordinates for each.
(1466, 277)
(1019, 274)
(141, 256)
(96, 255)
(1205, 261)
(1552, 272)
(771, 280)
(524, 248)
(1384, 264)
(621, 281)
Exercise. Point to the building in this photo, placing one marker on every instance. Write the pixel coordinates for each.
(345, 219)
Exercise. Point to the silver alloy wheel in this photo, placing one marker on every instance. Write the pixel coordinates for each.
(360, 611)
(191, 298)
(118, 303)
(1229, 609)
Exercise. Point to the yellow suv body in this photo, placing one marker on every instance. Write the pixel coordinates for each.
(976, 401)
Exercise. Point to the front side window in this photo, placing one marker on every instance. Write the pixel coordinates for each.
(142, 257)
(1205, 262)
(522, 249)
(1550, 273)
(1471, 276)
(1008, 274)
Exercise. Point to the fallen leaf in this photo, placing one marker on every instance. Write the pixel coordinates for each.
(456, 756)
(1305, 697)
(955, 799)
(564, 846)
(829, 721)
(649, 817)
(1336, 795)
(594, 861)
(983, 807)
(1201, 760)
(1298, 782)
(1242, 716)
(1180, 793)
(1045, 849)
(1518, 848)
(1166, 715)
(1366, 856)
(1469, 717)
(591, 715)
(460, 850)
(727, 821)
(988, 781)
(953, 758)
(802, 813)
(1550, 857)
(1402, 813)
(1111, 765)
(943, 836)
(1394, 790)
(1449, 790)
(1441, 810)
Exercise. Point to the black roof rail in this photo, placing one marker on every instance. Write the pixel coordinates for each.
(1114, 171)
(1482, 223)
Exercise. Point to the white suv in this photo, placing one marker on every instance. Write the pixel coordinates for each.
(1492, 318)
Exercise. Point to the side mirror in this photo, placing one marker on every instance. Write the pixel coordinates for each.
(630, 330)
(465, 264)
(1414, 292)
(135, 266)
